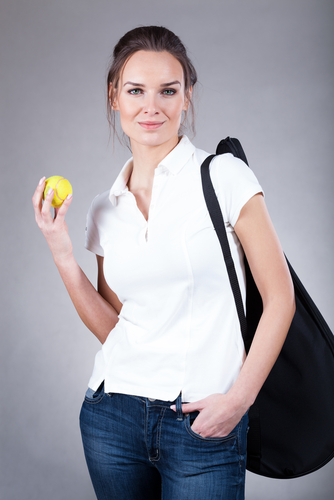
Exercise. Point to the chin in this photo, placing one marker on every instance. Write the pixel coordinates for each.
(154, 138)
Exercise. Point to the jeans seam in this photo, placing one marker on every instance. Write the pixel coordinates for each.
(241, 455)
(142, 400)
(95, 400)
(158, 441)
(146, 429)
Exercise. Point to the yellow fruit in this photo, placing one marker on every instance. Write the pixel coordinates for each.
(61, 187)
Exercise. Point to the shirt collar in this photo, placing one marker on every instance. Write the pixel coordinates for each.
(174, 162)
(178, 157)
(120, 185)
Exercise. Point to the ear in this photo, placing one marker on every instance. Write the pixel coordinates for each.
(114, 105)
(187, 99)
(113, 98)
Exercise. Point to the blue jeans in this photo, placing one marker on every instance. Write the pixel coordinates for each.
(139, 449)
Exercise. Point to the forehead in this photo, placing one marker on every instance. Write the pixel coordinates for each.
(148, 64)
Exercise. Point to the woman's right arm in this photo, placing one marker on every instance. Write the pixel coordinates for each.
(96, 312)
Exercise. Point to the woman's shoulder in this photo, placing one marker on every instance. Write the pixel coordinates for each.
(229, 174)
(224, 166)
(229, 167)
(101, 202)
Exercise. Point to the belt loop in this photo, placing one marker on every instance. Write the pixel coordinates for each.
(179, 414)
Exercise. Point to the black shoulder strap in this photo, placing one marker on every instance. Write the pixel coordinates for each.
(233, 146)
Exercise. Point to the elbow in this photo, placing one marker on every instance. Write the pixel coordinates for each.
(106, 331)
(102, 330)
(282, 305)
(287, 304)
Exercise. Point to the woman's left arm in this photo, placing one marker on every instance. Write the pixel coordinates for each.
(220, 413)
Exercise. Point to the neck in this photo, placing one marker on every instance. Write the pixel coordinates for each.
(145, 161)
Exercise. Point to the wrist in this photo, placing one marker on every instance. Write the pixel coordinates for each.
(64, 261)
(241, 397)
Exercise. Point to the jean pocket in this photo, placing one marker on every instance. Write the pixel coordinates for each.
(94, 397)
(188, 423)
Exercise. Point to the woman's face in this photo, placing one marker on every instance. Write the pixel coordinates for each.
(151, 98)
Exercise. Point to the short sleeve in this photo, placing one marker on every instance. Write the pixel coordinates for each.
(234, 183)
(92, 233)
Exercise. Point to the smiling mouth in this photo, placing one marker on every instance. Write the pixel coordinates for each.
(150, 125)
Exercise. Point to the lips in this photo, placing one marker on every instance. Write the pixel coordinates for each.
(151, 125)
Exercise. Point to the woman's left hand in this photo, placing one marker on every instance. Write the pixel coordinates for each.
(218, 415)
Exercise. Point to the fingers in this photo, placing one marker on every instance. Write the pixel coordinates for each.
(43, 210)
(46, 207)
(38, 194)
(62, 210)
(37, 199)
(189, 407)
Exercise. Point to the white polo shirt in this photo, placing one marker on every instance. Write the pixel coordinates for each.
(178, 329)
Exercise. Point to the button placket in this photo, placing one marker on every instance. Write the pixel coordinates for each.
(157, 180)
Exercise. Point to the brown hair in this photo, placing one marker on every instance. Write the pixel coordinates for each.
(149, 38)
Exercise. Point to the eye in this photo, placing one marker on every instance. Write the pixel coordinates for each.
(134, 91)
(169, 92)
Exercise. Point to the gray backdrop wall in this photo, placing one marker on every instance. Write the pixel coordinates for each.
(266, 76)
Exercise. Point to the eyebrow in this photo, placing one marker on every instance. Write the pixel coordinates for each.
(162, 85)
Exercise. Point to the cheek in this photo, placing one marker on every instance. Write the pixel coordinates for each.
(125, 110)
(127, 114)
(174, 111)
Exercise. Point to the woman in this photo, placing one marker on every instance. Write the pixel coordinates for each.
(165, 415)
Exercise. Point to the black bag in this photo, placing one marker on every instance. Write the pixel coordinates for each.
(291, 429)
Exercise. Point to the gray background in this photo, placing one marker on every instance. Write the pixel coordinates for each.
(266, 76)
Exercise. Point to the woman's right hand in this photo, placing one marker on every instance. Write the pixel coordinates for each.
(53, 228)
(96, 312)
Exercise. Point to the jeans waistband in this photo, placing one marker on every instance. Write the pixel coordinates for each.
(148, 401)
(164, 404)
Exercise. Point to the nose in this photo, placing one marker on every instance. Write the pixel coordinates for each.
(151, 106)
